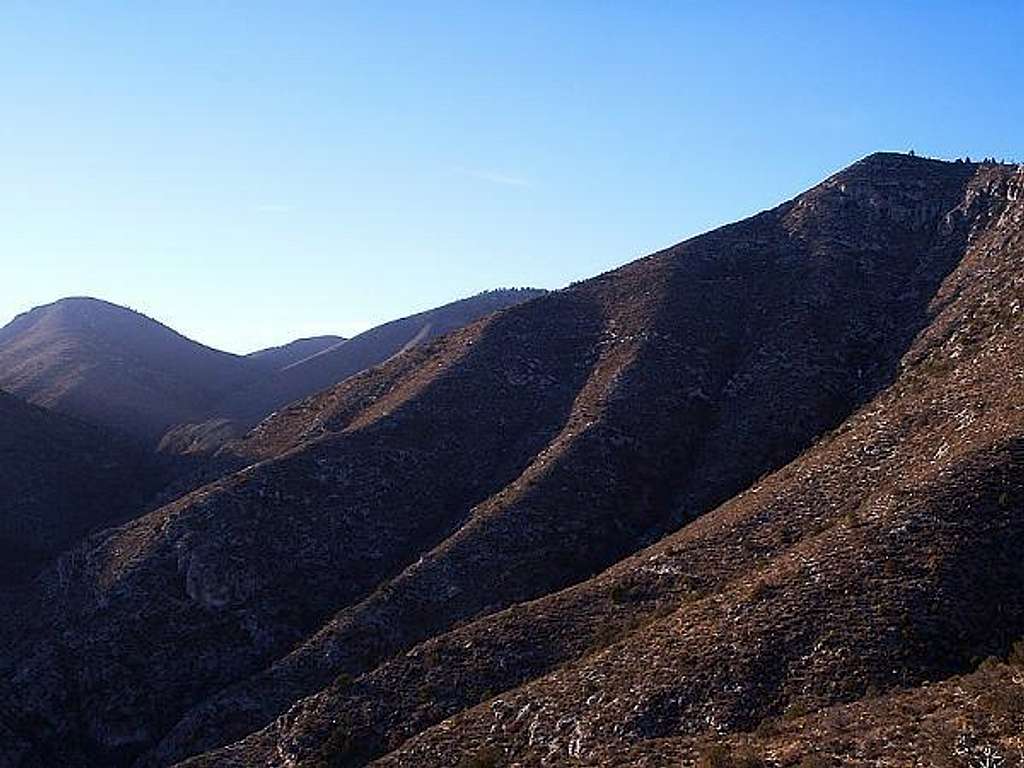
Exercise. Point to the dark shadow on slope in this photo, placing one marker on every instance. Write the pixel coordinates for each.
(288, 542)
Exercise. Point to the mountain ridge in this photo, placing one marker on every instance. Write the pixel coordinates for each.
(294, 351)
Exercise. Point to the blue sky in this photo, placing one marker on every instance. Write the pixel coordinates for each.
(251, 172)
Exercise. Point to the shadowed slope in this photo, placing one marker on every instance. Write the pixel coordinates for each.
(59, 479)
(304, 534)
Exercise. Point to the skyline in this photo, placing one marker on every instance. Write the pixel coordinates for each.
(252, 174)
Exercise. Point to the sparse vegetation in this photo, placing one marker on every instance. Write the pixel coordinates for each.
(336, 750)
(761, 590)
(1016, 655)
(343, 681)
(620, 593)
(485, 757)
(722, 756)
(796, 710)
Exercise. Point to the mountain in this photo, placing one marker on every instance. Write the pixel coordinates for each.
(276, 358)
(338, 361)
(757, 498)
(114, 367)
(60, 479)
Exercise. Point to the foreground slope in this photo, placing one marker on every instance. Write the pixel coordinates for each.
(114, 367)
(398, 550)
(59, 479)
(887, 555)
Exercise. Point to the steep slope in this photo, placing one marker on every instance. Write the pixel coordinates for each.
(312, 373)
(886, 556)
(59, 479)
(276, 358)
(201, 440)
(113, 367)
(514, 458)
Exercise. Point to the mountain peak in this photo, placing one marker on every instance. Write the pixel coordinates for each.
(113, 366)
(83, 304)
(82, 312)
(910, 165)
(900, 190)
(905, 167)
(87, 301)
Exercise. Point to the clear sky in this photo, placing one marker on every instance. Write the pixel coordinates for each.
(248, 172)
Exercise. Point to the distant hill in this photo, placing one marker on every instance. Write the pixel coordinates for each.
(114, 367)
(276, 358)
(341, 360)
(60, 479)
(119, 369)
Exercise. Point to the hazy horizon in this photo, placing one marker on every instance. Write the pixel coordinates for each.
(252, 176)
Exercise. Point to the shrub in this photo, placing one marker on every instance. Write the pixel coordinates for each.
(619, 593)
(337, 750)
(485, 757)
(715, 756)
(1016, 656)
(720, 756)
(760, 591)
(343, 681)
(796, 710)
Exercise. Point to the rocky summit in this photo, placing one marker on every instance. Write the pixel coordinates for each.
(756, 499)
